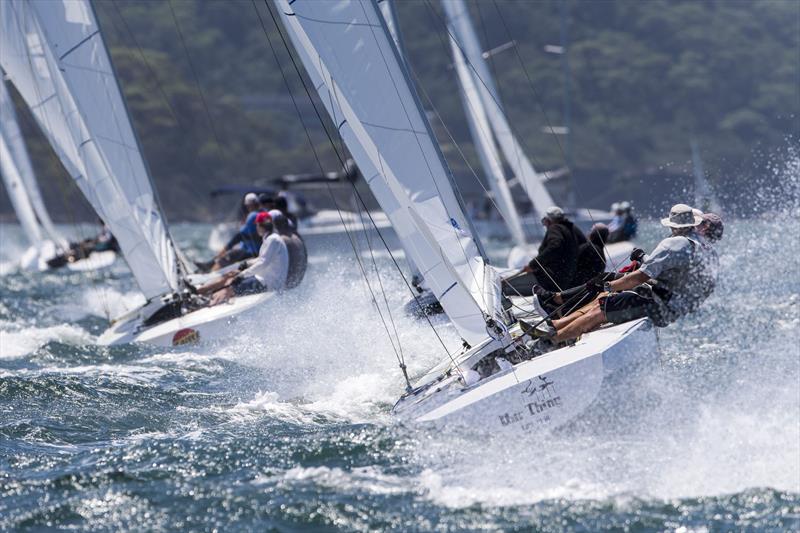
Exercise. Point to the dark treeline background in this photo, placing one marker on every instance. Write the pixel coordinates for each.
(211, 107)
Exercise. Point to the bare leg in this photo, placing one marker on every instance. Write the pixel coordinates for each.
(583, 324)
(563, 322)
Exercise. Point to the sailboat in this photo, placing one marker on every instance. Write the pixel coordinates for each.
(492, 382)
(55, 55)
(488, 124)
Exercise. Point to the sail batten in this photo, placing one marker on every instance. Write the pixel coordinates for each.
(54, 54)
(354, 63)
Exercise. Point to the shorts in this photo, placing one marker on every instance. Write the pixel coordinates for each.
(629, 305)
(248, 285)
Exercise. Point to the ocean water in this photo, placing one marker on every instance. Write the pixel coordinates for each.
(286, 425)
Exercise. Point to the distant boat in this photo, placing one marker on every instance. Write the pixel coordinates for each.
(55, 56)
(490, 384)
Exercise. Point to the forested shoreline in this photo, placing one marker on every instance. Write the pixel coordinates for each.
(211, 107)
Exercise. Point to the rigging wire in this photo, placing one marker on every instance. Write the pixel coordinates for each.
(361, 199)
(397, 349)
(497, 103)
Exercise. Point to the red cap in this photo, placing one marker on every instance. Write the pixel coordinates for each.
(263, 218)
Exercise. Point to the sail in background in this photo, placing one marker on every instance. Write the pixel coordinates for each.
(54, 54)
(461, 27)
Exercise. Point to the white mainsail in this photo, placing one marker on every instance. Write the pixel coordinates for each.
(461, 25)
(356, 68)
(54, 54)
(10, 131)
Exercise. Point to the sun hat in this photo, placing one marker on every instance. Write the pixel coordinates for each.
(697, 212)
(681, 216)
(263, 218)
(250, 198)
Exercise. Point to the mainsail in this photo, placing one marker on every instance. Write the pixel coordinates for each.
(54, 54)
(485, 146)
(356, 68)
(460, 25)
(10, 131)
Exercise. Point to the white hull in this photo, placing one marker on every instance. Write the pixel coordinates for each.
(540, 394)
(95, 261)
(198, 326)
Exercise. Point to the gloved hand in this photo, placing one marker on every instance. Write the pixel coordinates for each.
(637, 255)
(242, 266)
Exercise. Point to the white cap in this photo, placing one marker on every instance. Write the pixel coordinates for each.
(554, 212)
(624, 205)
(250, 198)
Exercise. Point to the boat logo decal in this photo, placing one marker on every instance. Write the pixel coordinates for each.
(185, 336)
(540, 396)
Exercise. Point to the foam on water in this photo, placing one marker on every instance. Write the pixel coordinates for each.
(17, 340)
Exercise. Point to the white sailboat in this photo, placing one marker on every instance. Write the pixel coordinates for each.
(55, 55)
(492, 383)
(483, 99)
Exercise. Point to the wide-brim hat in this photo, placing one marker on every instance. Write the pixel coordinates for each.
(681, 216)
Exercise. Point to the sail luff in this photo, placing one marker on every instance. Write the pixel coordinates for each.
(52, 53)
(458, 18)
(354, 65)
(484, 145)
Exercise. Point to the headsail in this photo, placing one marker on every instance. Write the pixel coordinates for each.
(54, 54)
(461, 26)
(9, 129)
(356, 68)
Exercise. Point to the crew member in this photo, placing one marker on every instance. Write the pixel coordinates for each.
(555, 263)
(246, 238)
(674, 280)
(267, 273)
(298, 256)
(624, 224)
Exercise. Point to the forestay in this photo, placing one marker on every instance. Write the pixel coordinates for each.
(9, 129)
(54, 54)
(461, 26)
(356, 68)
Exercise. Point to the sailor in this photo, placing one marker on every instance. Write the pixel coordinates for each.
(282, 205)
(103, 242)
(617, 217)
(267, 273)
(591, 255)
(672, 281)
(267, 202)
(246, 238)
(624, 225)
(554, 265)
(298, 256)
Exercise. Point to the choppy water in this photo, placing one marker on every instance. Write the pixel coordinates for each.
(286, 425)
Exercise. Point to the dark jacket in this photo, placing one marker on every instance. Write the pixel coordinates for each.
(558, 255)
(591, 262)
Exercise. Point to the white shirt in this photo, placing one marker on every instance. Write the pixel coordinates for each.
(271, 267)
